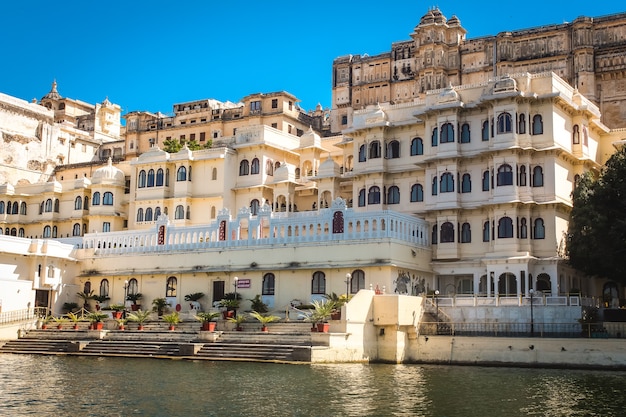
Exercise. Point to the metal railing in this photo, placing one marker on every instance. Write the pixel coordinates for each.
(17, 316)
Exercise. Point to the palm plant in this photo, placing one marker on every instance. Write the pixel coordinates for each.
(139, 317)
(238, 320)
(86, 296)
(159, 305)
(173, 318)
(264, 319)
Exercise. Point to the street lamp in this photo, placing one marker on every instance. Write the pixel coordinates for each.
(125, 296)
(235, 284)
(348, 278)
(532, 329)
(437, 304)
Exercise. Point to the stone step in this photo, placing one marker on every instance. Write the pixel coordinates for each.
(102, 347)
(266, 338)
(257, 352)
(34, 346)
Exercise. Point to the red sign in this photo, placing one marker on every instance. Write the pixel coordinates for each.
(161, 237)
(243, 283)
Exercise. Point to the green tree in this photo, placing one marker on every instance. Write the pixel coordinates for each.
(596, 241)
(172, 145)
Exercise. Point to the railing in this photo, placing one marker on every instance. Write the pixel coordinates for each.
(511, 301)
(17, 316)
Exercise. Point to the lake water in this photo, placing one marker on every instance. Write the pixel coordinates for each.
(91, 386)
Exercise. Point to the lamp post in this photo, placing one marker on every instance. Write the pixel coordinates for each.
(125, 296)
(348, 279)
(437, 304)
(235, 284)
(532, 323)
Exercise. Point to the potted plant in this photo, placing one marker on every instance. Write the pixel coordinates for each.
(139, 317)
(97, 320)
(70, 307)
(173, 319)
(238, 320)
(194, 296)
(86, 297)
(133, 298)
(74, 318)
(322, 310)
(339, 301)
(100, 299)
(118, 310)
(120, 323)
(231, 305)
(264, 319)
(206, 318)
(159, 305)
(258, 305)
(59, 321)
(44, 322)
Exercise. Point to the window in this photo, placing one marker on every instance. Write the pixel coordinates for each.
(504, 123)
(150, 182)
(447, 232)
(485, 131)
(447, 182)
(434, 186)
(393, 150)
(486, 181)
(344, 120)
(522, 175)
(86, 204)
(318, 283)
(505, 175)
(435, 137)
(433, 236)
(170, 287)
(47, 231)
(56, 206)
(48, 205)
(23, 208)
(78, 203)
(76, 229)
(54, 231)
(466, 233)
(95, 200)
(486, 232)
(362, 154)
(447, 133)
(576, 135)
(2, 207)
(214, 174)
(167, 177)
(362, 198)
(21, 232)
(104, 288)
(142, 179)
(254, 207)
(465, 133)
(417, 193)
(106, 227)
(268, 284)
(417, 147)
(274, 106)
(523, 229)
(373, 195)
(179, 213)
(181, 174)
(537, 176)
(107, 198)
(255, 166)
(255, 106)
(244, 167)
(159, 177)
(157, 213)
(505, 228)
(374, 149)
(537, 125)
(149, 214)
(133, 288)
(393, 195)
(357, 281)
(269, 167)
(539, 229)
(189, 174)
(466, 183)
(139, 215)
(521, 124)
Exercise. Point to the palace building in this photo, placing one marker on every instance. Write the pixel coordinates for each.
(444, 165)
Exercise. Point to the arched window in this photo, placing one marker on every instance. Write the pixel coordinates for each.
(393, 150)
(434, 139)
(40, 207)
(268, 284)
(181, 174)
(466, 233)
(521, 124)
(504, 123)
(539, 229)
(56, 206)
(576, 135)
(139, 215)
(78, 203)
(157, 213)
(505, 175)
(466, 183)
(179, 213)
(434, 186)
(214, 174)
(447, 182)
(104, 288)
(362, 197)
(522, 175)
(149, 214)
(159, 177)
(357, 281)
(374, 150)
(150, 182)
(373, 195)
(447, 133)
(141, 183)
(362, 153)
(23, 208)
(393, 195)
(537, 176)
(485, 131)
(318, 283)
(505, 228)
(244, 167)
(48, 205)
(255, 167)
(47, 231)
(486, 232)
(107, 198)
(417, 147)
(523, 229)
(189, 174)
(433, 236)
(106, 226)
(86, 204)
(188, 213)
(269, 167)
(133, 287)
(14, 232)
(20, 233)
(254, 207)
(95, 200)
(417, 193)
(1, 207)
(465, 133)
(537, 124)
(447, 232)
(76, 229)
(170, 287)
(167, 177)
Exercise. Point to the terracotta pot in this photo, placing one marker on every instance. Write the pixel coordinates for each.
(140, 327)
(117, 314)
(264, 329)
(209, 326)
(60, 326)
(336, 315)
(44, 326)
(172, 327)
(239, 329)
(323, 327)
(121, 327)
(98, 325)
(134, 307)
(314, 328)
(76, 327)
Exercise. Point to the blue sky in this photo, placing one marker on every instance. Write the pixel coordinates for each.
(150, 55)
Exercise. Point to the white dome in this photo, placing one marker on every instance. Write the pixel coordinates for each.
(108, 174)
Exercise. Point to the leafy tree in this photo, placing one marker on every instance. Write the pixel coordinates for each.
(597, 229)
(172, 145)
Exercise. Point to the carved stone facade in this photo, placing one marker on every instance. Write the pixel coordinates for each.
(588, 53)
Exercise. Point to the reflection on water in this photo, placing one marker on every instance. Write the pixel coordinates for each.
(88, 386)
